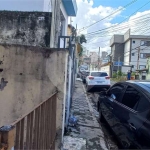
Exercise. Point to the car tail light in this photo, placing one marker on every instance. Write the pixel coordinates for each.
(107, 77)
(91, 77)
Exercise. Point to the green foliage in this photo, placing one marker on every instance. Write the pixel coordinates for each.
(115, 75)
(133, 74)
(82, 39)
(119, 73)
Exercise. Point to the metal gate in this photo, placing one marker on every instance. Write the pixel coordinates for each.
(36, 130)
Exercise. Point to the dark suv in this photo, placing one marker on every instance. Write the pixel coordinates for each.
(126, 108)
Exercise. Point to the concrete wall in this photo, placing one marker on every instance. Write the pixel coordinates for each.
(106, 69)
(127, 35)
(64, 22)
(25, 28)
(29, 75)
(116, 39)
(127, 53)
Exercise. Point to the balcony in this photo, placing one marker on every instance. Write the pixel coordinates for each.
(70, 7)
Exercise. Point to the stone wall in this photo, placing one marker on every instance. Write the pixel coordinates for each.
(25, 28)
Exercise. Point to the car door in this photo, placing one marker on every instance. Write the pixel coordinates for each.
(115, 92)
(128, 118)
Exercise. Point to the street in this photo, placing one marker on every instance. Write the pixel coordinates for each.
(89, 133)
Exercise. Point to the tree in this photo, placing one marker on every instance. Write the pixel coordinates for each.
(82, 39)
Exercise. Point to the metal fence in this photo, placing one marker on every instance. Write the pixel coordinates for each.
(36, 130)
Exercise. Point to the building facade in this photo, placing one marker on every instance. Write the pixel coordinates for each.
(129, 51)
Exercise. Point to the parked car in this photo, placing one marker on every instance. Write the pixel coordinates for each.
(126, 108)
(84, 74)
(99, 79)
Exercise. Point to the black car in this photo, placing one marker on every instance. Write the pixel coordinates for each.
(126, 108)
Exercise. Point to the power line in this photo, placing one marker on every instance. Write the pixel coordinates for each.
(101, 34)
(123, 20)
(109, 15)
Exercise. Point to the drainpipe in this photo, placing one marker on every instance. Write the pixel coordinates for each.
(69, 90)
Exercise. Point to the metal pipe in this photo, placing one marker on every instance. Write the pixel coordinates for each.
(69, 90)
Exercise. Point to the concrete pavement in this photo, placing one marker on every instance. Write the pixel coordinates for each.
(88, 134)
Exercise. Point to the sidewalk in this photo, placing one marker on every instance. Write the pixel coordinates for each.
(87, 135)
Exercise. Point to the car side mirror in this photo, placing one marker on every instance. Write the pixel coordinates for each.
(113, 96)
(103, 93)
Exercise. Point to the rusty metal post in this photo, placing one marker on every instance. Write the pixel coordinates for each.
(7, 137)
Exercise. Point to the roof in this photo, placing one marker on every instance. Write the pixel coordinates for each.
(142, 85)
(97, 71)
(140, 81)
(141, 70)
(120, 39)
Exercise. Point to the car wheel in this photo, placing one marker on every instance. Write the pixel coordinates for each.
(101, 117)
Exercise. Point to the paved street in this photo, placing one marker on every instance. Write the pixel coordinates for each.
(88, 133)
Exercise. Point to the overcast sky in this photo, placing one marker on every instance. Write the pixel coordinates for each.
(123, 14)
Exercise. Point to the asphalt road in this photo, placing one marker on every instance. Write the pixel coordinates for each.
(109, 135)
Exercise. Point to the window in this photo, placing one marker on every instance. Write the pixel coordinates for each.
(143, 104)
(99, 74)
(117, 91)
(133, 42)
(143, 55)
(145, 43)
(135, 100)
(131, 97)
(133, 54)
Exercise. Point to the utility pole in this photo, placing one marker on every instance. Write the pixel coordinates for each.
(99, 59)
(138, 58)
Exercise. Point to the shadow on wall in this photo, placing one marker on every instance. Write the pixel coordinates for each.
(3, 83)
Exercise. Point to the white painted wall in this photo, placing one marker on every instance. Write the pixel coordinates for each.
(134, 49)
(47, 7)
(125, 69)
(127, 53)
(106, 69)
(64, 22)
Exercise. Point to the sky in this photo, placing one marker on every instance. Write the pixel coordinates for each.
(114, 17)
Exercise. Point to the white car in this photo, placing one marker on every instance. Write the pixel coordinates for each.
(99, 79)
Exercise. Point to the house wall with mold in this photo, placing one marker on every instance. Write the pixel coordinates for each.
(28, 76)
(25, 28)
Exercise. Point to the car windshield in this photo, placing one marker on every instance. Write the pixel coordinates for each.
(99, 74)
(85, 67)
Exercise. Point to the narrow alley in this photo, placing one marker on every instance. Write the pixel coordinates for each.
(88, 133)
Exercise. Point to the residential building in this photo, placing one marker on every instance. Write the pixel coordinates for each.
(31, 71)
(104, 58)
(94, 57)
(129, 51)
(104, 54)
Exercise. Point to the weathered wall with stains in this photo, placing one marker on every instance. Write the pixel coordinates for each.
(25, 28)
(28, 76)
